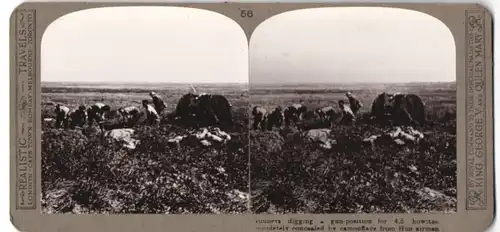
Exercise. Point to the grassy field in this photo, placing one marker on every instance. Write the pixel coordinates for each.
(289, 175)
(81, 173)
(117, 95)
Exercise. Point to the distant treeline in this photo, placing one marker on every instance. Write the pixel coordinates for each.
(329, 91)
(83, 90)
(351, 85)
(122, 90)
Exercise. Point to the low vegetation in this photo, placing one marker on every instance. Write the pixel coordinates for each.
(86, 173)
(291, 175)
(82, 172)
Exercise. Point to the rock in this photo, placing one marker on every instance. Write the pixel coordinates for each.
(49, 119)
(399, 142)
(321, 136)
(399, 135)
(123, 136)
(206, 136)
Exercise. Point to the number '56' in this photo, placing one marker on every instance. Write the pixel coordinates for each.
(246, 13)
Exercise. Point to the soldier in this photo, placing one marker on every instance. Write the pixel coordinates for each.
(62, 113)
(275, 118)
(97, 112)
(327, 114)
(131, 114)
(353, 102)
(348, 116)
(294, 113)
(158, 102)
(152, 117)
(78, 117)
(259, 117)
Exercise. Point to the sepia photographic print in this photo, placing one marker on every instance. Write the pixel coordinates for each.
(185, 117)
(356, 114)
(145, 112)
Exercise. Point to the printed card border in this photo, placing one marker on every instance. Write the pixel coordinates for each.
(474, 69)
(26, 110)
(476, 196)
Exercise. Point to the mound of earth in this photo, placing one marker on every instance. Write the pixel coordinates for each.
(267, 141)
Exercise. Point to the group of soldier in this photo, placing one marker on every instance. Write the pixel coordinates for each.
(402, 107)
(296, 112)
(96, 113)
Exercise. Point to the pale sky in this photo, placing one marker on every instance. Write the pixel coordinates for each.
(145, 44)
(161, 44)
(352, 45)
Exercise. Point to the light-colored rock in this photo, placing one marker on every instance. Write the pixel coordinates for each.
(205, 136)
(321, 136)
(123, 136)
(400, 136)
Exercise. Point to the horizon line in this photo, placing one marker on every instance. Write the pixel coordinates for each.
(135, 82)
(360, 82)
(280, 83)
